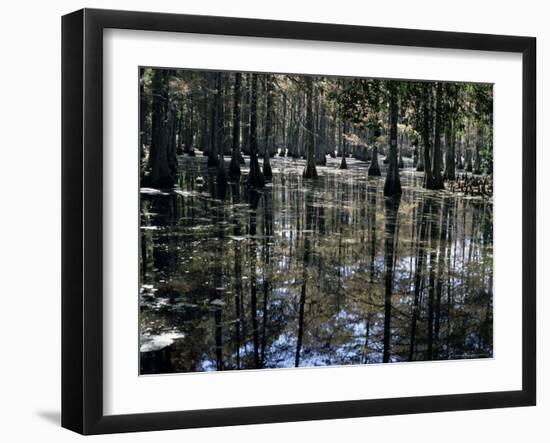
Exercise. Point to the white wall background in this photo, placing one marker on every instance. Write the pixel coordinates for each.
(30, 96)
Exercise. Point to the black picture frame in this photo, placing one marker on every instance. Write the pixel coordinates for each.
(82, 215)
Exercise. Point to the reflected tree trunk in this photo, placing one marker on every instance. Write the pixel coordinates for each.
(434, 240)
(253, 290)
(306, 263)
(418, 276)
(268, 236)
(391, 207)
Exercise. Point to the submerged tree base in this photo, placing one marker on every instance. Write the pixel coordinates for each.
(255, 177)
(266, 169)
(392, 188)
(212, 161)
(343, 163)
(374, 170)
(310, 171)
(234, 169)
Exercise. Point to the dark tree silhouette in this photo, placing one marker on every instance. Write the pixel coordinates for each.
(310, 170)
(255, 176)
(392, 185)
(268, 142)
(235, 163)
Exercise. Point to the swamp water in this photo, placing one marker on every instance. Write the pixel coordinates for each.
(311, 272)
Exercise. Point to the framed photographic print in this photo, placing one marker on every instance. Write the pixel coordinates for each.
(269, 221)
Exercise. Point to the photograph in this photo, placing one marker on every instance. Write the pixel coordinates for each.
(291, 220)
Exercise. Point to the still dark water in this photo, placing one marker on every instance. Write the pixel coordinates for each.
(311, 273)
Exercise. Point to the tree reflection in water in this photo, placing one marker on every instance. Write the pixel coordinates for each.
(311, 272)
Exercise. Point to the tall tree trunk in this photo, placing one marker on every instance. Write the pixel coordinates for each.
(400, 162)
(426, 136)
(344, 144)
(235, 164)
(392, 186)
(206, 134)
(246, 116)
(320, 145)
(160, 162)
(450, 141)
(143, 111)
(459, 151)
(468, 150)
(310, 170)
(268, 127)
(215, 138)
(282, 152)
(479, 145)
(172, 127)
(436, 165)
(221, 173)
(255, 176)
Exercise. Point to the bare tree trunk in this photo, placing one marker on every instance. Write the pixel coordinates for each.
(311, 170)
(344, 145)
(268, 175)
(426, 137)
(206, 134)
(450, 141)
(235, 164)
(436, 166)
(246, 116)
(215, 135)
(282, 153)
(255, 176)
(468, 153)
(459, 151)
(143, 111)
(161, 163)
(219, 136)
(321, 139)
(392, 186)
(479, 144)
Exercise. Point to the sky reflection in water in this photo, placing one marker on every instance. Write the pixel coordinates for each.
(325, 272)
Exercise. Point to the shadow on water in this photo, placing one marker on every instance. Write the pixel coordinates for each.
(311, 273)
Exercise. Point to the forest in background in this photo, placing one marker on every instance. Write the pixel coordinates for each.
(444, 127)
